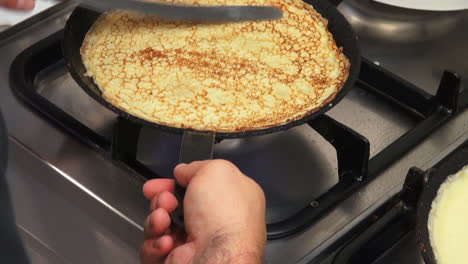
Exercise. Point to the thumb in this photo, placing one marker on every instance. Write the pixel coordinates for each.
(184, 173)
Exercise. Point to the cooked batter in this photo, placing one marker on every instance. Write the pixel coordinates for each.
(219, 77)
(448, 220)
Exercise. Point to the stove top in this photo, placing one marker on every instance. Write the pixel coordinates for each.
(321, 179)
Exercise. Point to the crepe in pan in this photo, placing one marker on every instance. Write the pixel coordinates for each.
(227, 77)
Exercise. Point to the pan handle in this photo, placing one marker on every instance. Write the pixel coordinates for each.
(195, 146)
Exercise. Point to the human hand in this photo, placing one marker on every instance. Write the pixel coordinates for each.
(18, 4)
(224, 214)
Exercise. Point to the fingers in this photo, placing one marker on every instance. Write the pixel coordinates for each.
(18, 4)
(157, 223)
(186, 253)
(185, 172)
(153, 251)
(157, 244)
(164, 200)
(154, 187)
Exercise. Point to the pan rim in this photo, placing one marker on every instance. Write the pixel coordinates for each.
(334, 18)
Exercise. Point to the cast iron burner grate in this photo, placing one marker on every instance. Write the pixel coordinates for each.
(354, 166)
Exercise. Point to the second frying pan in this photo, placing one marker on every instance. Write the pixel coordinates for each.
(198, 145)
(436, 177)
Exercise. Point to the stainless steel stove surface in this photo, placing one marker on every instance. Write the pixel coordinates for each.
(74, 205)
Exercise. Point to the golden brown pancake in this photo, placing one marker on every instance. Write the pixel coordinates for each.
(220, 77)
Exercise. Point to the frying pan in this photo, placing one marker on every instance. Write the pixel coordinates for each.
(82, 19)
(198, 145)
(436, 177)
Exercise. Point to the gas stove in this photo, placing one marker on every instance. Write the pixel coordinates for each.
(76, 169)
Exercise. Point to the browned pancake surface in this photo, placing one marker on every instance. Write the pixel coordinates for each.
(220, 77)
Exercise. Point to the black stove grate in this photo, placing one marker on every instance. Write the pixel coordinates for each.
(354, 166)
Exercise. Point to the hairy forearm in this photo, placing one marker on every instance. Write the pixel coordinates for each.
(224, 256)
(247, 258)
(222, 249)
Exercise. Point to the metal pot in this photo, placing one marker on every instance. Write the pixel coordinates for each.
(399, 25)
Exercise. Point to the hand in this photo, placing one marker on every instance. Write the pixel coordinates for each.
(224, 213)
(18, 4)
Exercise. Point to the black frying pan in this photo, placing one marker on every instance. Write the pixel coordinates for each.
(449, 166)
(198, 145)
(82, 19)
